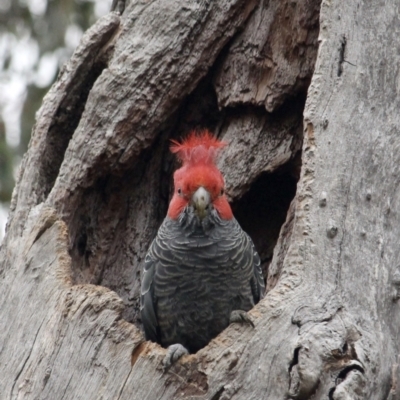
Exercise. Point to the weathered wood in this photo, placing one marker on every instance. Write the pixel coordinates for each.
(273, 58)
(340, 261)
(328, 326)
(42, 350)
(269, 140)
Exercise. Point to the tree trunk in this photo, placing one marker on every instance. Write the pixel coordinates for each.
(322, 209)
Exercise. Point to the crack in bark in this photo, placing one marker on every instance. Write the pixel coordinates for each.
(342, 49)
(137, 351)
(218, 394)
(124, 384)
(66, 388)
(341, 377)
(48, 223)
(293, 375)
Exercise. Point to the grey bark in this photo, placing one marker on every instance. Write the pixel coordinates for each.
(95, 183)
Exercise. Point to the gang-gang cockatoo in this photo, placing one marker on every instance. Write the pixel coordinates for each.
(202, 271)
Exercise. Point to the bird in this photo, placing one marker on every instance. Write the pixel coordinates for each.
(202, 271)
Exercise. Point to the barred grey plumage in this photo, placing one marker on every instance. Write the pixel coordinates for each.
(196, 272)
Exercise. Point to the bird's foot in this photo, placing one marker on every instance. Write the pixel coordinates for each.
(174, 353)
(240, 317)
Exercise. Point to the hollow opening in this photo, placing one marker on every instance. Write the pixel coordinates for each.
(263, 209)
(112, 229)
(111, 232)
(123, 211)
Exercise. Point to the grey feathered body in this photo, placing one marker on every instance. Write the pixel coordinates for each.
(195, 274)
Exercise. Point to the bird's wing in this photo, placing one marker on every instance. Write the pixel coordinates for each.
(242, 259)
(257, 280)
(147, 299)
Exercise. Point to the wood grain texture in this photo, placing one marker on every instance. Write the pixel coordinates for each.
(273, 58)
(59, 330)
(270, 140)
(340, 261)
(70, 262)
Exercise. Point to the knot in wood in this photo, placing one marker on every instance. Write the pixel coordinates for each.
(332, 231)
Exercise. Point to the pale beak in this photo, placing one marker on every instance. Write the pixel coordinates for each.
(201, 200)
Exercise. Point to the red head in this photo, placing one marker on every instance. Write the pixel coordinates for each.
(198, 181)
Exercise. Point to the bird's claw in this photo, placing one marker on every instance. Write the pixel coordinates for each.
(174, 353)
(240, 317)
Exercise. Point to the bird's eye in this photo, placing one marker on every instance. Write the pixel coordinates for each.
(179, 191)
(222, 192)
